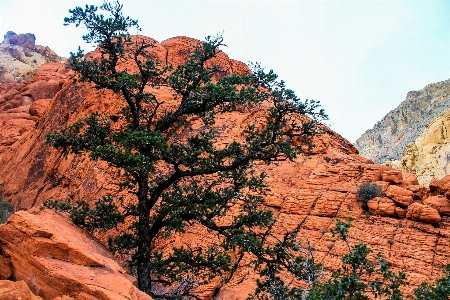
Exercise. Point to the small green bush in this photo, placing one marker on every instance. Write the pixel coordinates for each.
(6, 209)
(366, 192)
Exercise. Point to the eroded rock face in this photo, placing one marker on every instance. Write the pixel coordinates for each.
(55, 259)
(22, 104)
(423, 212)
(308, 193)
(10, 290)
(388, 139)
(20, 57)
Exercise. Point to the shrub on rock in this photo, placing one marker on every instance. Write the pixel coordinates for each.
(367, 191)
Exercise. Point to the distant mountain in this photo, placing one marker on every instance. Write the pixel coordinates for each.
(399, 130)
(20, 57)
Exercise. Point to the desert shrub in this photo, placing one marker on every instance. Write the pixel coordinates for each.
(6, 209)
(366, 192)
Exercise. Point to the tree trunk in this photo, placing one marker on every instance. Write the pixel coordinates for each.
(144, 241)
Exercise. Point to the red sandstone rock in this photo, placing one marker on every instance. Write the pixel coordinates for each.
(425, 213)
(39, 107)
(382, 206)
(55, 258)
(393, 176)
(419, 191)
(18, 290)
(44, 84)
(400, 212)
(5, 268)
(434, 186)
(410, 179)
(308, 193)
(440, 203)
(384, 185)
(445, 183)
(400, 195)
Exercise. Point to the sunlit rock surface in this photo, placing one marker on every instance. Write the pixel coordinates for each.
(308, 193)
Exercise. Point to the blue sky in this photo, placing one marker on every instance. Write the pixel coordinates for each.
(359, 58)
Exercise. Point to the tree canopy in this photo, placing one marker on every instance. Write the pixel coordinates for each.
(183, 176)
(179, 180)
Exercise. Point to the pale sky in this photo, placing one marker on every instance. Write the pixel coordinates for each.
(359, 58)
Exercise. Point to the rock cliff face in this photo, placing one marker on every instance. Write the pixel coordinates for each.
(388, 139)
(409, 225)
(20, 57)
(22, 104)
(429, 155)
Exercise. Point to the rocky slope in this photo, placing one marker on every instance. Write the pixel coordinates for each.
(22, 104)
(409, 226)
(388, 139)
(20, 57)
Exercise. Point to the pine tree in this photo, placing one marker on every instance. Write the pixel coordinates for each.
(181, 180)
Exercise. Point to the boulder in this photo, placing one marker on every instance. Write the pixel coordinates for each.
(410, 178)
(424, 213)
(419, 191)
(434, 187)
(400, 212)
(440, 203)
(400, 195)
(55, 259)
(393, 176)
(384, 185)
(445, 184)
(382, 206)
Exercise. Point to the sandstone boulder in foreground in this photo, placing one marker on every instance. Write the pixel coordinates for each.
(55, 259)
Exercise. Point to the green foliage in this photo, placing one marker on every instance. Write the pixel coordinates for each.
(6, 209)
(104, 216)
(180, 180)
(358, 278)
(341, 229)
(361, 277)
(184, 179)
(439, 290)
(368, 191)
